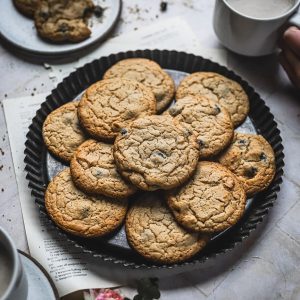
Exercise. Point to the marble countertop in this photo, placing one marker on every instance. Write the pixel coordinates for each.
(265, 265)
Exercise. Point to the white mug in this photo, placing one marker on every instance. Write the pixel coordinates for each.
(13, 285)
(248, 35)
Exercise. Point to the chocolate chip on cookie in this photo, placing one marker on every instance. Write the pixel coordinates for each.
(251, 158)
(225, 91)
(157, 152)
(212, 200)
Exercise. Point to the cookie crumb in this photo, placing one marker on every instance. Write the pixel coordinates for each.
(163, 6)
(47, 66)
(98, 11)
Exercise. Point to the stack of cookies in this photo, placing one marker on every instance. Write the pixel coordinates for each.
(191, 173)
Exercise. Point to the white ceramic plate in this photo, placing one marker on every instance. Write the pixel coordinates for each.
(40, 285)
(20, 31)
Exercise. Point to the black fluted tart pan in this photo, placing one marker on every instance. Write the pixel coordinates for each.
(41, 166)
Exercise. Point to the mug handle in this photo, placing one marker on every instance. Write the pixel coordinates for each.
(295, 19)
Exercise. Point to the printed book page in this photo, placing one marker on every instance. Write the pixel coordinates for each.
(70, 268)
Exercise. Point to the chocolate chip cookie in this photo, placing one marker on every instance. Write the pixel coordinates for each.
(93, 170)
(208, 120)
(152, 231)
(26, 7)
(219, 88)
(212, 200)
(61, 131)
(80, 214)
(148, 73)
(112, 103)
(251, 158)
(63, 21)
(156, 152)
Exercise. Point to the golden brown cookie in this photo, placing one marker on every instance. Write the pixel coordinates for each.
(63, 21)
(80, 214)
(211, 201)
(26, 7)
(156, 152)
(251, 158)
(93, 170)
(219, 88)
(61, 131)
(148, 73)
(208, 120)
(152, 231)
(112, 103)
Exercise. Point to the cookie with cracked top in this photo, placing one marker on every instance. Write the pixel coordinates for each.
(63, 21)
(153, 232)
(110, 104)
(61, 131)
(94, 171)
(211, 201)
(148, 73)
(251, 158)
(26, 7)
(81, 214)
(214, 86)
(206, 118)
(156, 152)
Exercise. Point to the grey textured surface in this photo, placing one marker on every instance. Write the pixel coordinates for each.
(264, 266)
